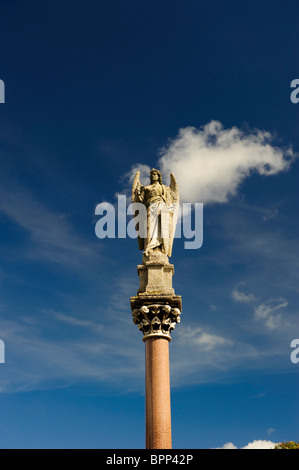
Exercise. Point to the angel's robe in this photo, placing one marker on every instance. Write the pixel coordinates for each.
(161, 217)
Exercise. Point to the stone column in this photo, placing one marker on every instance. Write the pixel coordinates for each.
(156, 310)
(157, 392)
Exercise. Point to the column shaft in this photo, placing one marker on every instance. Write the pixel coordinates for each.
(157, 392)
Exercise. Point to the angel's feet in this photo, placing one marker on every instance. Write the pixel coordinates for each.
(148, 252)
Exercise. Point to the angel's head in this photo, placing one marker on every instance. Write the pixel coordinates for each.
(155, 175)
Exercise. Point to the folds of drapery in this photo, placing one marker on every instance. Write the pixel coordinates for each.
(161, 222)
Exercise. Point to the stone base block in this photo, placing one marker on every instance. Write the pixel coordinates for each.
(155, 278)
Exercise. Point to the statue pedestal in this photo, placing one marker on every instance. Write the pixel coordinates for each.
(155, 274)
(156, 310)
(155, 278)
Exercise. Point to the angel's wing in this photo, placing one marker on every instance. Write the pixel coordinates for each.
(136, 187)
(172, 200)
(174, 190)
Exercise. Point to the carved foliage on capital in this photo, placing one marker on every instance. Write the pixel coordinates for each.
(156, 319)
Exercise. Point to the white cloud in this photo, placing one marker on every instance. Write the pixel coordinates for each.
(208, 341)
(260, 444)
(267, 311)
(256, 444)
(199, 337)
(227, 445)
(211, 162)
(74, 321)
(241, 297)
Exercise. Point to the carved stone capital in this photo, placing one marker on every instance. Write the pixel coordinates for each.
(156, 320)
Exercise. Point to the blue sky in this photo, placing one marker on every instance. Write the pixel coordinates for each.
(93, 90)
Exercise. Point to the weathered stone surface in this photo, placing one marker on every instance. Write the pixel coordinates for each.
(175, 301)
(156, 320)
(155, 278)
(161, 203)
(155, 274)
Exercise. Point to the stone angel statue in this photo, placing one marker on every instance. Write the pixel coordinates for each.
(161, 203)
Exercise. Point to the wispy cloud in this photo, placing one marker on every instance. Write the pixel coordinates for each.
(253, 239)
(203, 353)
(52, 237)
(271, 214)
(59, 347)
(55, 348)
(202, 339)
(268, 311)
(43, 354)
(75, 321)
(239, 296)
